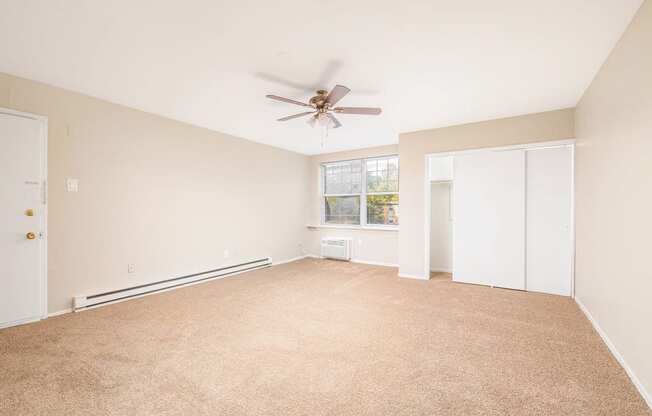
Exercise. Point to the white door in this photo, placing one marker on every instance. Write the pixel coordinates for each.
(22, 219)
(489, 219)
(549, 219)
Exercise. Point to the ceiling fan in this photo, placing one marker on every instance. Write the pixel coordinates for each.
(323, 106)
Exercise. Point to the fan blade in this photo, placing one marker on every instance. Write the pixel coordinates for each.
(312, 120)
(295, 116)
(358, 110)
(336, 122)
(336, 94)
(287, 100)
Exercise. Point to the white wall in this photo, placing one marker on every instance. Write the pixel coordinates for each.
(441, 227)
(369, 245)
(163, 195)
(614, 198)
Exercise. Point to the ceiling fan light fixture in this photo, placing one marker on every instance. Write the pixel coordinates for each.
(324, 121)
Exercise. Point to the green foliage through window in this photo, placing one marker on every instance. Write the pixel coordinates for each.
(382, 209)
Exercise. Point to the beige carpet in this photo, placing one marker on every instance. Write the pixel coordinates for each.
(317, 337)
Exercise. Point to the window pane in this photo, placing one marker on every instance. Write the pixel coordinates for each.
(343, 177)
(382, 164)
(382, 209)
(382, 175)
(372, 182)
(392, 164)
(342, 210)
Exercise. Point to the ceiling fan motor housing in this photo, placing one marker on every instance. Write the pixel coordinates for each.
(319, 100)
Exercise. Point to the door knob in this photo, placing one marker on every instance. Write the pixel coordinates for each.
(30, 236)
(29, 212)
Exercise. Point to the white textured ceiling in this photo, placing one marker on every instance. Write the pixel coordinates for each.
(427, 63)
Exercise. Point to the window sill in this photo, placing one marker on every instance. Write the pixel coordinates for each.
(353, 227)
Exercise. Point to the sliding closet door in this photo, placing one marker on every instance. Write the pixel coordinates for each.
(549, 233)
(489, 219)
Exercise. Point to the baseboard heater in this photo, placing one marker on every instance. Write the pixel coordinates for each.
(89, 301)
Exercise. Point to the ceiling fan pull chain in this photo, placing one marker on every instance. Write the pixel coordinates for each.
(324, 133)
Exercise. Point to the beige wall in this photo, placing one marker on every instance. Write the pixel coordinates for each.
(368, 245)
(614, 198)
(163, 195)
(553, 125)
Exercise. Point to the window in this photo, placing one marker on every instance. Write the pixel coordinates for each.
(382, 191)
(361, 192)
(342, 190)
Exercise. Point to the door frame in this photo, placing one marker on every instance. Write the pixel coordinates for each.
(524, 146)
(43, 240)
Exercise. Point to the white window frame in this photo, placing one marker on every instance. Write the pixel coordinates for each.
(363, 194)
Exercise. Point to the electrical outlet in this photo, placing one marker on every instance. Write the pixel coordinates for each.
(131, 268)
(226, 254)
(72, 185)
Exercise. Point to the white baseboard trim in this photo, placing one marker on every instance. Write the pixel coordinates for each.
(277, 263)
(374, 263)
(61, 312)
(441, 270)
(621, 360)
(412, 276)
(20, 322)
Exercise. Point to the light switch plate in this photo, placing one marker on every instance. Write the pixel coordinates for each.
(72, 185)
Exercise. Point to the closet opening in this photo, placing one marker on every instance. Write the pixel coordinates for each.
(441, 231)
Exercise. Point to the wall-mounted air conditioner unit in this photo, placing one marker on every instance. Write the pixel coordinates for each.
(336, 248)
